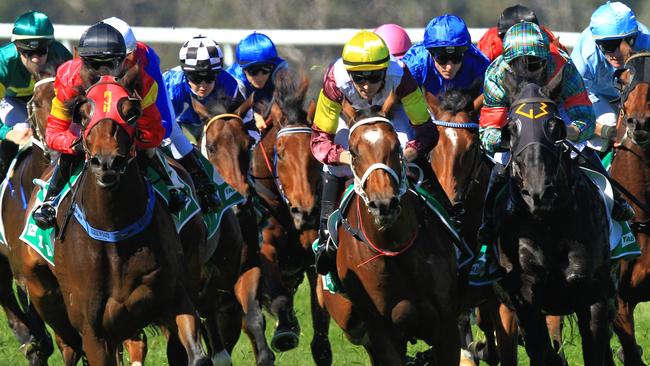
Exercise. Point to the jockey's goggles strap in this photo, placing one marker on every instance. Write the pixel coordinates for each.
(221, 116)
(370, 120)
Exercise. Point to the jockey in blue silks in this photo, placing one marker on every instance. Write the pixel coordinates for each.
(446, 58)
(597, 54)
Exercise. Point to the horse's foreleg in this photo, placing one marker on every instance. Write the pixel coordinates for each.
(321, 349)
(535, 333)
(68, 354)
(380, 347)
(506, 332)
(593, 324)
(554, 324)
(98, 351)
(624, 328)
(185, 325)
(136, 347)
(246, 291)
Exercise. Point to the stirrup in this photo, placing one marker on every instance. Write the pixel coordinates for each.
(178, 199)
(622, 211)
(325, 257)
(45, 216)
(208, 198)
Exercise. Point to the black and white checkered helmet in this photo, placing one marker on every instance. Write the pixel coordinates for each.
(200, 54)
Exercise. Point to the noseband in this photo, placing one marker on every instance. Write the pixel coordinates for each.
(359, 183)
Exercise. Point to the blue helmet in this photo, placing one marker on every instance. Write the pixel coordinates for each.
(446, 31)
(256, 48)
(613, 20)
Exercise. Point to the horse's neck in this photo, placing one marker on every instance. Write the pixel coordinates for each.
(397, 235)
(111, 209)
(631, 168)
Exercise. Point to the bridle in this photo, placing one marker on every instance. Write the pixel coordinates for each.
(360, 182)
(640, 75)
(39, 140)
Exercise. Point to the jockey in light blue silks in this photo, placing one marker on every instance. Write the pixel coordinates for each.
(597, 54)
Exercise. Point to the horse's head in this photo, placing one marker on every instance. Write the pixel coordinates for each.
(40, 104)
(457, 156)
(225, 138)
(378, 166)
(297, 170)
(108, 113)
(634, 81)
(534, 135)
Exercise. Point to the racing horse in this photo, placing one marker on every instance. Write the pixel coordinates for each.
(286, 177)
(131, 271)
(395, 259)
(27, 326)
(553, 230)
(463, 171)
(631, 167)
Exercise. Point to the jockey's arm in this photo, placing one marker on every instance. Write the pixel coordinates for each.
(577, 105)
(57, 133)
(326, 121)
(494, 113)
(150, 129)
(417, 111)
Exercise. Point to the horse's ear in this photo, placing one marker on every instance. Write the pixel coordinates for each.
(304, 85)
(554, 86)
(243, 108)
(200, 109)
(388, 104)
(556, 42)
(275, 113)
(478, 104)
(131, 78)
(349, 113)
(433, 103)
(75, 52)
(311, 111)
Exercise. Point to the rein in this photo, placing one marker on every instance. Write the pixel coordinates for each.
(221, 116)
(40, 135)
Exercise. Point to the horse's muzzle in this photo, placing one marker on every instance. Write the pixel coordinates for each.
(108, 169)
(385, 211)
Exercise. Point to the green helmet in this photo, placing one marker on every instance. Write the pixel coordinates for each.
(32, 30)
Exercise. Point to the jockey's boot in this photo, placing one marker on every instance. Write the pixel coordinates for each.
(206, 190)
(45, 214)
(622, 211)
(485, 269)
(325, 251)
(177, 197)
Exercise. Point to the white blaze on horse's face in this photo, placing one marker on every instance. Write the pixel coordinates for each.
(452, 135)
(372, 136)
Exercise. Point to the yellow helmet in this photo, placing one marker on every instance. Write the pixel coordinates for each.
(366, 51)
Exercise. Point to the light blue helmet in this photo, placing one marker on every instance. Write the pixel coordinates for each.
(446, 31)
(613, 20)
(256, 48)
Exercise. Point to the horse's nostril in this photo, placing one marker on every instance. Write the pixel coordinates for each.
(372, 204)
(294, 210)
(394, 202)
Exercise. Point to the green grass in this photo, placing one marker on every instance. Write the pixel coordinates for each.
(344, 352)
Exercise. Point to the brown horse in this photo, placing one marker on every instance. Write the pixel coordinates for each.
(226, 143)
(631, 167)
(111, 290)
(27, 326)
(395, 259)
(462, 169)
(287, 178)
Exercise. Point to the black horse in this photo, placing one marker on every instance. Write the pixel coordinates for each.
(553, 236)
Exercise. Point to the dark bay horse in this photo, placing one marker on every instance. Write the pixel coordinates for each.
(553, 230)
(631, 167)
(27, 326)
(395, 259)
(462, 169)
(112, 289)
(287, 178)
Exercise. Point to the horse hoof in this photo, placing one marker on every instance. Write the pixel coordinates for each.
(222, 359)
(621, 355)
(322, 352)
(265, 359)
(284, 340)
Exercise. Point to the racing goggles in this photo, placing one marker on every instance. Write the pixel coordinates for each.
(201, 77)
(611, 45)
(370, 77)
(97, 63)
(257, 69)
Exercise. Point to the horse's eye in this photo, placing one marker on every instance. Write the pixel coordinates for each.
(211, 149)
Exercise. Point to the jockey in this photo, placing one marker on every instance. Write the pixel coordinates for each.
(491, 44)
(365, 75)
(199, 75)
(182, 150)
(396, 39)
(527, 40)
(32, 46)
(598, 53)
(446, 58)
(257, 63)
(102, 51)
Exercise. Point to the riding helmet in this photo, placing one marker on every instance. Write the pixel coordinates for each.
(103, 41)
(125, 30)
(256, 49)
(366, 51)
(612, 21)
(200, 54)
(512, 15)
(395, 37)
(32, 30)
(446, 31)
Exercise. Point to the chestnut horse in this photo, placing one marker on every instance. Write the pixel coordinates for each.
(112, 289)
(287, 178)
(631, 167)
(463, 171)
(27, 326)
(395, 259)
(226, 143)
(553, 233)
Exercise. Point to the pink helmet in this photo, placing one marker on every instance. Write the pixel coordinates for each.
(396, 38)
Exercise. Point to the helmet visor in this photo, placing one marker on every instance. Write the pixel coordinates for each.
(98, 63)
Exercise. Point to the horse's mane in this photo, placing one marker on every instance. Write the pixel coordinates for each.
(518, 76)
(457, 100)
(373, 111)
(221, 103)
(289, 94)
